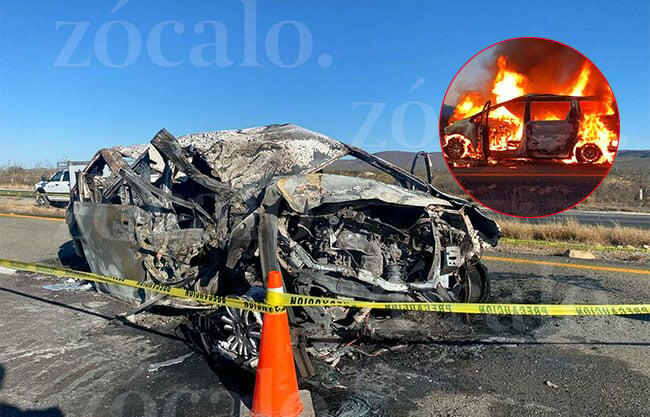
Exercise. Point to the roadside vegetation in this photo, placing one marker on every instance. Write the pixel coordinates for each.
(619, 192)
(572, 232)
(16, 176)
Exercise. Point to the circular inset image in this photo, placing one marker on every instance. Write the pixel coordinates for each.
(529, 127)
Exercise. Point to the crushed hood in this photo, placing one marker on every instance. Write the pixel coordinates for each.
(305, 192)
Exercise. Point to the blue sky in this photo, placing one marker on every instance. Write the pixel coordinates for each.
(76, 76)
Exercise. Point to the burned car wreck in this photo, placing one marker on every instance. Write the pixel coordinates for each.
(217, 211)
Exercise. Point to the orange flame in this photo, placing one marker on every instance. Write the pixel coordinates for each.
(579, 85)
(469, 104)
(507, 84)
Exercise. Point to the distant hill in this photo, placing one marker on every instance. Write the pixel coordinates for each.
(399, 158)
(633, 154)
(632, 163)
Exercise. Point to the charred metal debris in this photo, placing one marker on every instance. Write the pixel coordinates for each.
(217, 211)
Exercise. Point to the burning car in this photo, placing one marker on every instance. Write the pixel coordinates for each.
(217, 211)
(536, 126)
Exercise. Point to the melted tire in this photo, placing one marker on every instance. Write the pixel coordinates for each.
(455, 148)
(589, 153)
(479, 283)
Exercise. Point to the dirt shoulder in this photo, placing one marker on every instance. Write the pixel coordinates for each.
(607, 253)
(27, 206)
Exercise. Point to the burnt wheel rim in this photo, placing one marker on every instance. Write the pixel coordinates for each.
(589, 153)
(242, 332)
(455, 148)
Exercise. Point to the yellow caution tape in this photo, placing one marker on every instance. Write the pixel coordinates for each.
(276, 302)
(293, 300)
(202, 297)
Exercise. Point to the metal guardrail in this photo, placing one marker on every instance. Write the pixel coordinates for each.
(8, 192)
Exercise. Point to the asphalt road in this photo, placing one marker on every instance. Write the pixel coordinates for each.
(588, 217)
(60, 353)
(529, 190)
(527, 169)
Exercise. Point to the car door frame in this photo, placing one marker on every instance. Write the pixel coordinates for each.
(573, 106)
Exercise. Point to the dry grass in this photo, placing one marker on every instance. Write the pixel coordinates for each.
(15, 176)
(19, 205)
(621, 192)
(14, 186)
(572, 231)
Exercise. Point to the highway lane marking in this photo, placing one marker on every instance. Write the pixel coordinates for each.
(569, 265)
(25, 216)
(618, 213)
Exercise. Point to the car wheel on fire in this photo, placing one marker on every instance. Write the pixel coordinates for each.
(589, 153)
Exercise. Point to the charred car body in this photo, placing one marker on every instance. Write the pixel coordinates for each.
(216, 211)
(533, 126)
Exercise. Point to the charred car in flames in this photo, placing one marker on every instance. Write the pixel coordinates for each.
(217, 211)
(537, 127)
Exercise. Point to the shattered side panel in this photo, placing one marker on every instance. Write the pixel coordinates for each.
(549, 138)
(255, 156)
(106, 234)
(304, 192)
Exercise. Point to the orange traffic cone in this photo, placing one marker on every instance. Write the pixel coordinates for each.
(276, 386)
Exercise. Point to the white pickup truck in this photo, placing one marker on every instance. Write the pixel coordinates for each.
(57, 188)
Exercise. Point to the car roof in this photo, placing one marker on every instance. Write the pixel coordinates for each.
(539, 97)
(561, 97)
(547, 97)
(542, 97)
